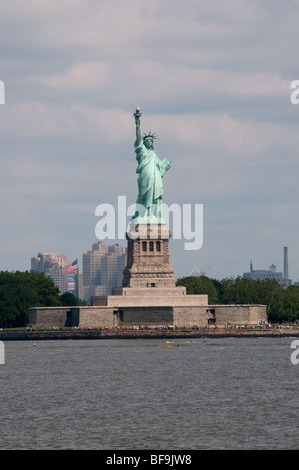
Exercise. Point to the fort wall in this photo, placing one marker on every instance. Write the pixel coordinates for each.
(117, 316)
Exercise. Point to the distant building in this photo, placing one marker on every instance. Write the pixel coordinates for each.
(262, 274)
(53, 266)
(113, 265)
(196, 272)
(103, 267)
(281, 278)
(287, 281)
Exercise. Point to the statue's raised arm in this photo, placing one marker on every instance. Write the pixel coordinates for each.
(138, 115)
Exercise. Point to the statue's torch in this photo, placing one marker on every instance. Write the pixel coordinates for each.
(137, 114)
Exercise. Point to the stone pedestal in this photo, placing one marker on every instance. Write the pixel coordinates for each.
(148, 263)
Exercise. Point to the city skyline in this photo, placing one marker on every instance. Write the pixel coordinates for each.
(214, 82)
(100, 249)
(102, 270)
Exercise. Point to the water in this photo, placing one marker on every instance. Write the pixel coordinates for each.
(229, 393)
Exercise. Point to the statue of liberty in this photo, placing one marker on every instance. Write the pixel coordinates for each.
(150, 181)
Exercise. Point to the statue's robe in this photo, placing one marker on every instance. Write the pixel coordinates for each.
(151, 171)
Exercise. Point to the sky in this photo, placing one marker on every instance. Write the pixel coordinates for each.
(213, 79)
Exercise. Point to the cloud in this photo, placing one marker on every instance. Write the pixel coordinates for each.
(212, 79)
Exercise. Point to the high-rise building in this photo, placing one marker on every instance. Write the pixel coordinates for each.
(113, 265)
(53, 266)
(103, 267)
(92, 264)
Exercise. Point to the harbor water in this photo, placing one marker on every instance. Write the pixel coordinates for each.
(218, 393)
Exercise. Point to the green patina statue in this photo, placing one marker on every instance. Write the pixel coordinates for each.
(150, 181)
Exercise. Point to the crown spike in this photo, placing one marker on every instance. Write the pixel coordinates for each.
(154, 135)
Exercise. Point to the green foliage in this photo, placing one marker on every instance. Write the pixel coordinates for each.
(241, 290)
(68, 299)
(200, 285)
(282, 304)
(286, 306)
(21, 290)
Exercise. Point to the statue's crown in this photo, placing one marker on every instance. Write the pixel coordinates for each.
(153, 136)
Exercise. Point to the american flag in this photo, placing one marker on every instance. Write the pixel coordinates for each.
(71, 267)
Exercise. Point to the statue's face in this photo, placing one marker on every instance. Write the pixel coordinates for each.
(149, 142)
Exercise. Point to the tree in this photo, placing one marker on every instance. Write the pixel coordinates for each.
(282, 304)
(68, 299)
(241, 290)
(290, 304)
(200, 285)
(21, 290)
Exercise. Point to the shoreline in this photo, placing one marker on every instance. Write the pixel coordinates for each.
(149, 334)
